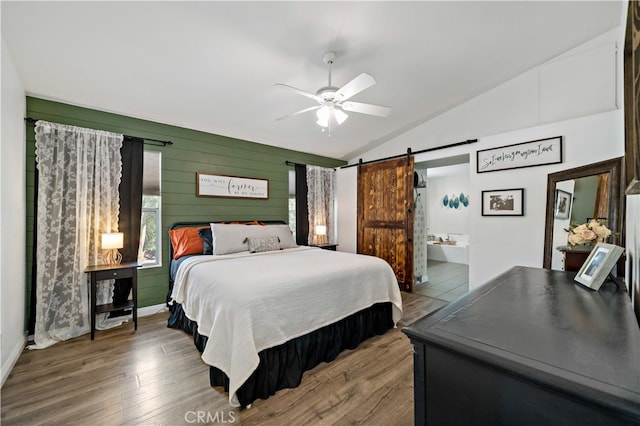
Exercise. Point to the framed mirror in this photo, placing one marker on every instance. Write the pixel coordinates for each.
(592, 191)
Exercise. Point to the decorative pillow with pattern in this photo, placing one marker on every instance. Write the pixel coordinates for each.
(260, 244)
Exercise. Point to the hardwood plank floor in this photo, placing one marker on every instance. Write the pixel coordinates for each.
(154, 376)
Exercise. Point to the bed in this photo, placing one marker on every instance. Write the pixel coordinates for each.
(262, 310)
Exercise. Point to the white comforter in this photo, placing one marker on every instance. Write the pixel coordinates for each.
(249, 302)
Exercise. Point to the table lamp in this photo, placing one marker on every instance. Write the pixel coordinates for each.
(321, 233)
(111, 242)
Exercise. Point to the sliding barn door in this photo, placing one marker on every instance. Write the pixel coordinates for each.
(385, 215)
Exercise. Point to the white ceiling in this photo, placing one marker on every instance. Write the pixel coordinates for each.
(212, 66)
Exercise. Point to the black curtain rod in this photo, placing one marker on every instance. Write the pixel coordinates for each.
(291, 163)
(409, 152)
(148, 141)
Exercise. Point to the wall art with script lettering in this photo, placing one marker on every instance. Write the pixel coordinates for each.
(208, 185)
(526, 154)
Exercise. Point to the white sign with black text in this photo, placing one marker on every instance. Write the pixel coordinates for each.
(208, 185)
(527, 154)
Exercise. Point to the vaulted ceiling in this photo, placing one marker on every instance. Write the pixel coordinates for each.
(213, 66)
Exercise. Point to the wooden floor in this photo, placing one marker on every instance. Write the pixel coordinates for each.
(154, 376)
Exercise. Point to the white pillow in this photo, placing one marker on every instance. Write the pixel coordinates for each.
(230, 238)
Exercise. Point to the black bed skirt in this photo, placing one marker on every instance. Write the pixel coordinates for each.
(282, 366)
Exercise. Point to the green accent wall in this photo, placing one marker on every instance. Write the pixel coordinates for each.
(192, 151)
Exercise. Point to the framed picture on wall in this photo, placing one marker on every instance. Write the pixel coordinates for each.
(527, 154)
(210, 185)
(563, 204)
(503, 202)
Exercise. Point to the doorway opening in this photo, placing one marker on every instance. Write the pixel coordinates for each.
(441, 227)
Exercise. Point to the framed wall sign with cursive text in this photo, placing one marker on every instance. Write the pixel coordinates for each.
(527, 154)
(208, 185)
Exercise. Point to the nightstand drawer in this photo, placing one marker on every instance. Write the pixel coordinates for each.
(114, 274)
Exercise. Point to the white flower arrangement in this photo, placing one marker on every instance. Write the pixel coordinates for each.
(591, 232)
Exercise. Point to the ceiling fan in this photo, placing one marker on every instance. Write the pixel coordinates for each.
(334, 101)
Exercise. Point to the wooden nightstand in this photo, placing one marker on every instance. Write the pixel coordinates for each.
(113, 272)
(326, 246)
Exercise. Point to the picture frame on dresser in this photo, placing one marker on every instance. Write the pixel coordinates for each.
(598, 265)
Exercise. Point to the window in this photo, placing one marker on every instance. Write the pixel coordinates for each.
(150, 252)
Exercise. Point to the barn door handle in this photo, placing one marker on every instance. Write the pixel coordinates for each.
(406, 226)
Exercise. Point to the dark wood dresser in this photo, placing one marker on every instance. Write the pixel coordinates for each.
(531, 347)
(574, 257)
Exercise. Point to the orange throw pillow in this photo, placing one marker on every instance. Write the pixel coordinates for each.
(185, 241)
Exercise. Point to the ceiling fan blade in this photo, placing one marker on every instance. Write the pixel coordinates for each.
(301, 92)
(298, 112)
(378, 110)
(357, 85)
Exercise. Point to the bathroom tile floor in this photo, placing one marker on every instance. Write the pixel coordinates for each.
(447, 281)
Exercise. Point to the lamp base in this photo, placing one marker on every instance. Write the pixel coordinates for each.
(112, 257)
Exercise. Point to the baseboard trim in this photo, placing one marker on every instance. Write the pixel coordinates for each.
(152, 310)
(13, 358)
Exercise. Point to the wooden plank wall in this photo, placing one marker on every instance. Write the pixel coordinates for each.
(192, 151)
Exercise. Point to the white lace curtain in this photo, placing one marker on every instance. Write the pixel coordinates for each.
(321, 184)
(79, 172)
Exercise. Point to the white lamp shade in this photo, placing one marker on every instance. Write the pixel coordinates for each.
(321, 230)
(325, 113)
(112, 240)
(340, 116)
(323, 116)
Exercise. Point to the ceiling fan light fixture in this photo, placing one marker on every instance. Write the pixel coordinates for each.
(323, 115)
(340, 116)
(334, 101)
